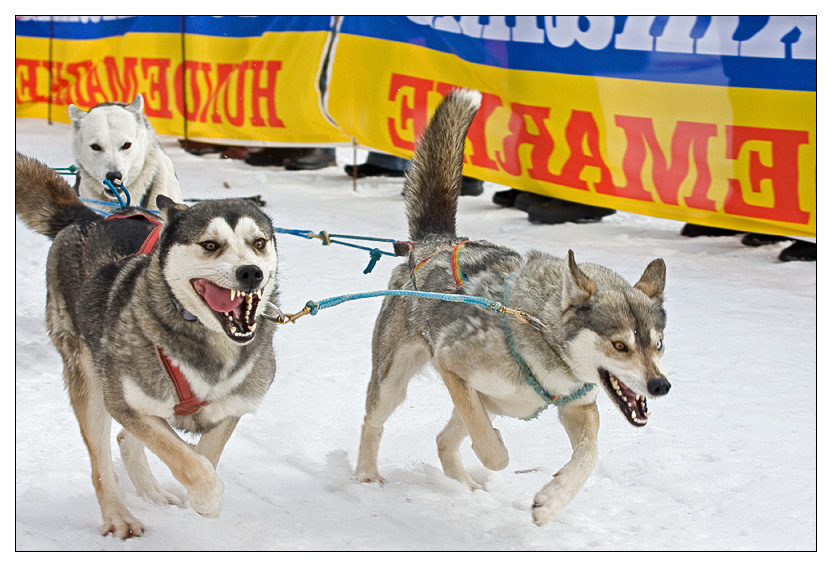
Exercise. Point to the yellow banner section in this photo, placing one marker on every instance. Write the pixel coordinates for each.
(732, 157)
(248, 90)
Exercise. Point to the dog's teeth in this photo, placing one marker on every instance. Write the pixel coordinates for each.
(633, 414)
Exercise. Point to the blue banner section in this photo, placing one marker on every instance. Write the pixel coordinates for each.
(94, 27)
(98, 27)
(254, 26)
(769, 52)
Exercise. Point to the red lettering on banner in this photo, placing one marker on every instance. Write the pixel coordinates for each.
(123, 83)
(189, 68)
(157, 100)
(782, 173)
(60, 89)
(416, 112)
(541, 142)
(529, 146)
(239, 98)
(641, 136)
(582, 126)
(27, 91)
(265, 93)
(79, 70)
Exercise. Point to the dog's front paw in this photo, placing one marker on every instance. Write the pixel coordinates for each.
(550, 500)
(207, 501)
(122, 525)
(494, 454)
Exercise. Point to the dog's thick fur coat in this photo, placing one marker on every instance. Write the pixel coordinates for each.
(590, 327)
(114, 316)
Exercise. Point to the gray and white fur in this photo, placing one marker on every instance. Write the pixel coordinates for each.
(109, 310)
(589, 327)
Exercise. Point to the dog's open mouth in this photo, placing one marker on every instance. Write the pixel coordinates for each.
(633, 406)
(235, 309)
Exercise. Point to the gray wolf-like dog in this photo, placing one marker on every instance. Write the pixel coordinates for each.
(115, 141)
(584, 326)
(157, 338)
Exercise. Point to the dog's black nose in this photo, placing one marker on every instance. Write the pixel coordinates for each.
(250, 276)
(658, 386)
(113, 175)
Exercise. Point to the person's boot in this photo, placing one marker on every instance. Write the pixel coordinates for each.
(693, 230)
(758, 239)
(315, 159)
(801, 251)
(274, 156)
(525, 200)
(505, 198)
(557, 211)
(371, 170)
(471, 187)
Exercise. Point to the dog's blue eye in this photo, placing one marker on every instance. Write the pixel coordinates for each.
(95, 147)
(126, 145)
(659, 345)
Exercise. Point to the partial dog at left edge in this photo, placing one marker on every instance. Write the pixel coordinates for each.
(159, 320)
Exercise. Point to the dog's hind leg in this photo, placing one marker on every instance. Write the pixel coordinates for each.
(581, 424)
(86, 396)
(447, 443)
(212, 442)
(485, 440)
(387, 389)
(135, 461)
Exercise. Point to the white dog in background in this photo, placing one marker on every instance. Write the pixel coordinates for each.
(115, 141)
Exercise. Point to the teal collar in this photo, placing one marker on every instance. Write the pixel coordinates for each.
(527, 372)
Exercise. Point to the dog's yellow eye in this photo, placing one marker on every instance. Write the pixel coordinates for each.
(619, 346)
(210, 245)
(260, 243)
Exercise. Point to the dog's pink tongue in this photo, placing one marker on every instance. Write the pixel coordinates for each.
(218, 298)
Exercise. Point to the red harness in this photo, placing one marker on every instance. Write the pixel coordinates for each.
(188, 403)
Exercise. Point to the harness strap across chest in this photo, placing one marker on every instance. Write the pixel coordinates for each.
(188, 402)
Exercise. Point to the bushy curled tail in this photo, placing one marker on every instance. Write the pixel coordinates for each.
(431, 188)
(43, 199)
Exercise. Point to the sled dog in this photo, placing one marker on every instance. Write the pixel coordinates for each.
(156, 337)
(115, 141)
(579, 328)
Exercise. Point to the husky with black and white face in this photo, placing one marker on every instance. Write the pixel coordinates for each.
(121, 320)
(115, 141)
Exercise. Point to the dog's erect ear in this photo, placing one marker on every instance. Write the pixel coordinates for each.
(137, 105)
(168, 207)
(75, 114)
(652, 280)
(577, 286)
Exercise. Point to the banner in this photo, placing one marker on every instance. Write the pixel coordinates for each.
(249, 80)
(703, 119)
(710, 120)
